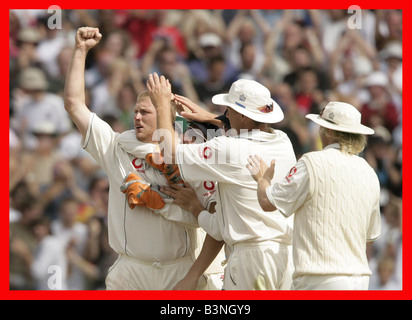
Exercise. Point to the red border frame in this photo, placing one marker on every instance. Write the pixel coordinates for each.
(6, 294)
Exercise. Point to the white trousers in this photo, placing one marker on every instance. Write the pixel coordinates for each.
(264, 265)
(129, 273)
(331, 282)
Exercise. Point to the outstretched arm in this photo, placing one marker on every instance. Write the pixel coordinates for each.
(74, 95)
(263, 175)
(193, 112)
(160, 91)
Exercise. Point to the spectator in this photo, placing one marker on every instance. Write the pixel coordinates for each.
(386, 268)
(49, 266)
(73, 236)
(162, 57)
(379, 109)
(307, 95)
(391, 64)
(214, 84)
(39, 106)
(23, 245)
(211, 45)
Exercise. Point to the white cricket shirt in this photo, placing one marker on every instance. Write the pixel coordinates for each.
(164, 235)
(238, 215)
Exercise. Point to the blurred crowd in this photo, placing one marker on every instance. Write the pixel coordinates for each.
(58, 194)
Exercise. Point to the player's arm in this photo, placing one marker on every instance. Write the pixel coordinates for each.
(160, 91)
(193, 112)
(263, 175)
(210, 250)
(74, 91)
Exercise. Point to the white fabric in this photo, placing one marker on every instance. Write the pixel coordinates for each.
(266, 265)
(128, 273)
(78, 232)
(140, 233)
(223, 159)
(49, 267)
(250, 98)
(205, 191)
(339, 215)
(50, 109)
(331, 282)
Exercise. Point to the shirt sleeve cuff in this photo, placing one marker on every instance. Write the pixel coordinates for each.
(208, 223)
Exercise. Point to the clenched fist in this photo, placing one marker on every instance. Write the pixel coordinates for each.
(87, 38)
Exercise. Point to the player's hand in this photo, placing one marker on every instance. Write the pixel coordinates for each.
(187, 283)
(259, 169)
(170, 171)
(160, 91)
(184, 197)
(87, 38)
(191, 111)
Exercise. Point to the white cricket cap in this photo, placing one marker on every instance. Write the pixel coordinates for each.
(251, 99)
(341, 116)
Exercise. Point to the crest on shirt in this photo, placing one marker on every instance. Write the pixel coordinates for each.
(290, 174)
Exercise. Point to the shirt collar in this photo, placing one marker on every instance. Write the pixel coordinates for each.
(258, 135)
(333, 145)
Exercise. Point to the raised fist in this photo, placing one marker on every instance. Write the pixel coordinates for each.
(87, 37)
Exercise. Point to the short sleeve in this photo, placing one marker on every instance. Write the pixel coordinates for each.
(98, 141)
(209, 223)
(207, 161)
(290, 193)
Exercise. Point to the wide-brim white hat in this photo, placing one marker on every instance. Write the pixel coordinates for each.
(251, 99)
(341, 116)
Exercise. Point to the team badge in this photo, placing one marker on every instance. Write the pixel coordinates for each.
(267, 108)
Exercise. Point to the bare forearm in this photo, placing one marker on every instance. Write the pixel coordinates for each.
(210, 249)
(264, 202)
(74, 91)
(160, 91)
(164, 123)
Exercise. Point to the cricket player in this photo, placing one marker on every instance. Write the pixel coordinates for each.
(334, 195)
(156, 241)
(259, 242)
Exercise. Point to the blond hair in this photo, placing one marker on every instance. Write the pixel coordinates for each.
(350, 143)
(145, 95)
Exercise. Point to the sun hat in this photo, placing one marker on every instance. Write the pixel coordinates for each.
(341, 116)
(392, 50)
(45, 128)
(376, 78)
(33, 79)
(210, 39)
(251, 99)
(29, 35)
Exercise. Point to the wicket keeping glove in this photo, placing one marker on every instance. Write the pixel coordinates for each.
(170, 171)
(140, 194)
